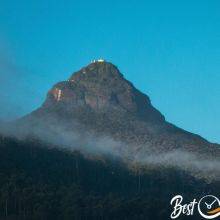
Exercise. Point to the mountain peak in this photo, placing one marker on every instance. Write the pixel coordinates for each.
(101, 87)
(99, 99)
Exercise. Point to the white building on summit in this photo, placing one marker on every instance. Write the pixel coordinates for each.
(98, 61)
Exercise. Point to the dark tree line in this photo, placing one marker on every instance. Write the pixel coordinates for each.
(43, 183)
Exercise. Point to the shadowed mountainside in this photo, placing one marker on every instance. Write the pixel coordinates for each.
(100, 100)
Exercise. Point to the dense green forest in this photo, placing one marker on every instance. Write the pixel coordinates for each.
(43, 183)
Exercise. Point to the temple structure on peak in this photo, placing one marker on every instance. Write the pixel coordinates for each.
(98, 61)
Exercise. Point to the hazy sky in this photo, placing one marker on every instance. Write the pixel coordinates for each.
(168, 49)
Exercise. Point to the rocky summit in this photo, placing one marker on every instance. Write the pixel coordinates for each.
(102, 88)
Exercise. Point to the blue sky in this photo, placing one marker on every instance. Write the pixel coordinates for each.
(170, 50)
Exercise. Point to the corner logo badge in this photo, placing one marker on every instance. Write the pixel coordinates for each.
(208, 207)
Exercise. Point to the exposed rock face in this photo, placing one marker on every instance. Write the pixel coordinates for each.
(99, 99)
(100, 86)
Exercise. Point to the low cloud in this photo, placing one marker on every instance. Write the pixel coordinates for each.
(79, 139)
(183, 160)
